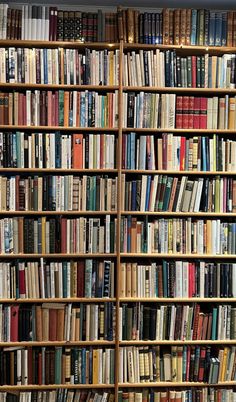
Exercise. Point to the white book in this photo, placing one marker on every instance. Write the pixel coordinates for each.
(181, 193)
(198, 196)
(179, 279)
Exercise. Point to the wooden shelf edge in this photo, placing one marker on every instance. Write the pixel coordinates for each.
(175, 384)
(61, 300)
(177, 300)
(52, 386)
(58, 128)
(56, 343)
(181, 343)
(178, 172)
(165, 213)
(179, 256)
(57, 255)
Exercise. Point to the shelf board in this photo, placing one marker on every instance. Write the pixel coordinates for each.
(175, 384)
(57, 255)
(178, 299)
(60, 300)
(213, 50)
(57, 343)
(56, 44)
(56, 170)
(58, 128)
(178, 172)
(179, 90)
(56, 213)
(178, 130)
(49, 87)
(177, 342)
(53, 386)
(179, 256)
(182, 214)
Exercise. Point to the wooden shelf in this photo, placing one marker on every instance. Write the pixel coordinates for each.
(178, 130)
(212, 50)
(53, 386)
(56, 213)
(177, 299)
(177, 342)
(178, 172)
(55, 44)
(179, 256)
(179, 90)
(59, 128)
(48, 87)
(57, 255)
(57, 343)
(57, 170)
(175, 384)
(181, 214)
(60, 300)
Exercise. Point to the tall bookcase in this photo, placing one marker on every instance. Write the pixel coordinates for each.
(119, 257)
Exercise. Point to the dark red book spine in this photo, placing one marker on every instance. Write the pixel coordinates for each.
(190, 113)
(63, 234)
(185, 109)
(179, 112)
(196, 112)
(14, 323)
(80, 279)
(203, 113)
(194, 72)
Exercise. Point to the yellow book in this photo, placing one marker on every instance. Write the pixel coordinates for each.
(111, 68)
(128, 279)
(123, 280)
(224, 364)
(95, 366)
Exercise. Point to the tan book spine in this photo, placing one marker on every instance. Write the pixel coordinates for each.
(60, 324)
(166, 24)
(133, 279)
(188, 26)
(45, 324)
(183, 21)
(171, 27)
(130, 25)
(177, 26)
(128, 279)
(230, 17)
(39, 327)
(123, 279)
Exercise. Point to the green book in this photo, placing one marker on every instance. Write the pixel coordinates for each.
(58, 358)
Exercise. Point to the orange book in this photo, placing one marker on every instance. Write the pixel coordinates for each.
(77, 158)
(60, 324)
(52, 324)
(230, 17)
(66, 108)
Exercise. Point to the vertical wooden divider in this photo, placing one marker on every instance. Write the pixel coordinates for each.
(119, 166)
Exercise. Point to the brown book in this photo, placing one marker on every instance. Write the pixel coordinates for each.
(234, 29)
(120, 23)
(166, 26)
(60, 324)
(124, 20)
(53, 324)
(39, 327)
(45, 324)
(183, 23)
(2, 99)
(177, 26)
(204, 327)
(172, 194)
(21, 235)
(188, 26)
(13, 23)
(133, 235)
(136, 26)
(130, 25)
(171, 27)
(230, 17)
(9, 10)
(66, 108)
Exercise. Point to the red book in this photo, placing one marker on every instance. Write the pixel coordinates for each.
(203, 113)
(80, 278)
(20, 110)
(194, 71)
(190, 113)
(182, 153)
(50, 109)
(63, 234)
(53, 115)
(201, 364)
(14, 323)
(195, 321)
(185, 109)
(52, 324)
(196, 111)
(22, 291)
(200, 324)
(77, 151)
(179, 112)
(51, 24)
(164, 151)
(56, 111)
(40, 369)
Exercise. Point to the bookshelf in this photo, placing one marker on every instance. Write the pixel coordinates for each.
(118, 257)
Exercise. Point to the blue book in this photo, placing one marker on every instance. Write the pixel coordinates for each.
(224, 29)
(212, 28)
(83, 366)
(148, 190)
(64, 279)
(206, 28)
(204, 154)
(128, 151)
(214, 324)
(107, 279)
(218, 29)
(133, 195)
(142, 152)
(157, 28)
(165, 278)
(194, 27)
(57, 149)
(132, 151)
(128, 234)
(45, 65)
